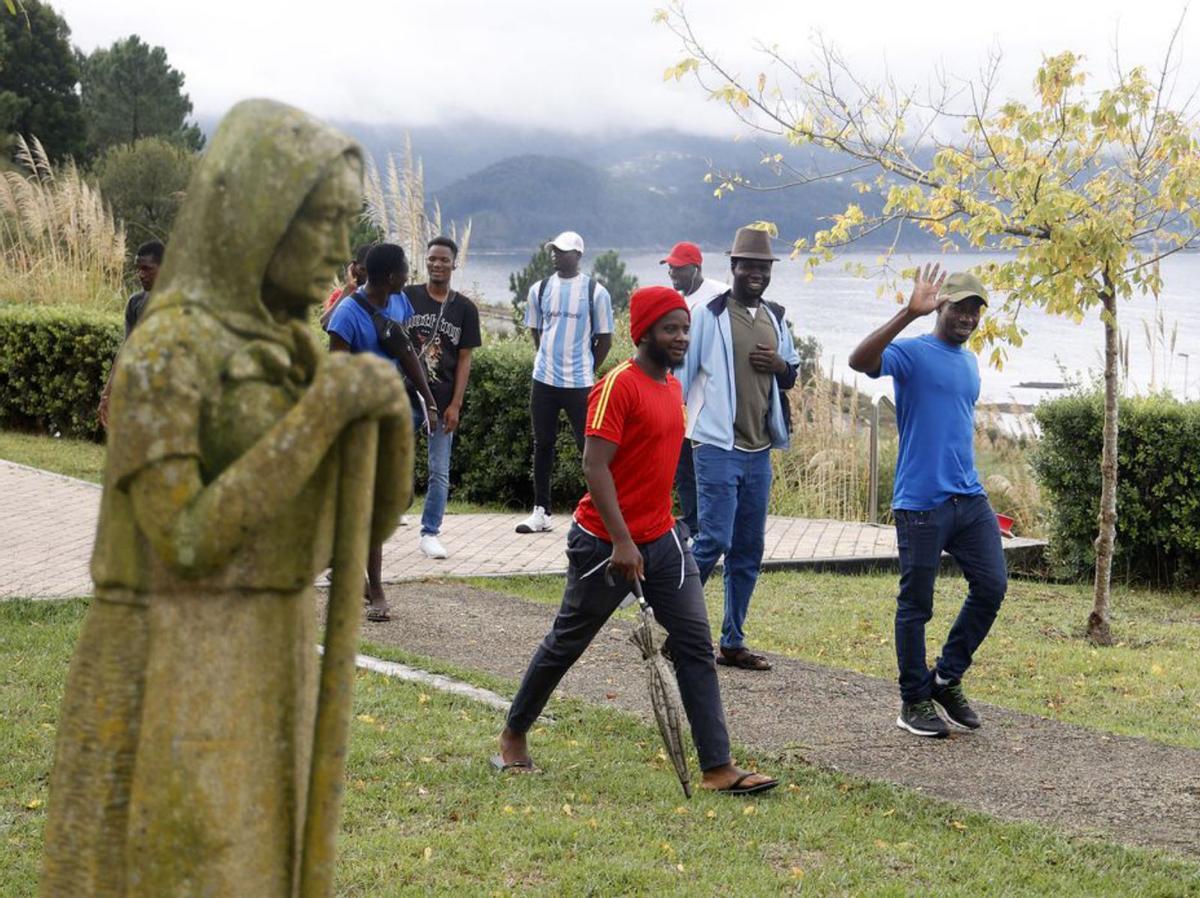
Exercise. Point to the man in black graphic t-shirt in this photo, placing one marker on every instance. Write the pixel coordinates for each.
(444, 329)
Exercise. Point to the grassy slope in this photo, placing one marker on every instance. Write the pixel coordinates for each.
(424, 815)
(1035, 659)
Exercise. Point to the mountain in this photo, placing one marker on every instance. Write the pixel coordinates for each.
(643, 190)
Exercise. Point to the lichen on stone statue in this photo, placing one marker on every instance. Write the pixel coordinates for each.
(182, 759)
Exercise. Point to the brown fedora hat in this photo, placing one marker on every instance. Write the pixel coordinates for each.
(752, 243)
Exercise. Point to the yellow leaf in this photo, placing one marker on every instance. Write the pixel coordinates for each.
(797, 872)
(681, 810)
(422, 698)
(566, 809)
(679, 867)
(1157, 670)
(428, 853)
(750, 811)
(711, 815)
(33, 805)
(958, 825)
(509, 809)
(366, 718)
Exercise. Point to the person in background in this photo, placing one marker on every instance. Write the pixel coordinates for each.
(445, 330)
(684, 267)
(356, 276)
(570, 318)
(353, 329)
(147, 261)
(741, 359)
(938, 501)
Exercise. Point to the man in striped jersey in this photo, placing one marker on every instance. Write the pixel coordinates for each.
(624, 529)
(570, 318)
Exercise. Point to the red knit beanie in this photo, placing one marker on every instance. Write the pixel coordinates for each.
(648, 304)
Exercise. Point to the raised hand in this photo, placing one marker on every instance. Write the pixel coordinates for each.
(926, 286)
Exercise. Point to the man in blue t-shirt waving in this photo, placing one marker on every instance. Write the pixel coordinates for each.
(938, 501)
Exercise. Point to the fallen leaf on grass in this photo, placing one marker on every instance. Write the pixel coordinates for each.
(958, 825)
(366, 718)
(428, 853)
(750, 811)
(33, 805)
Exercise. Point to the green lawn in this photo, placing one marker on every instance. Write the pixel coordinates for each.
(425, 816)
(1035, 660)
(75, 458)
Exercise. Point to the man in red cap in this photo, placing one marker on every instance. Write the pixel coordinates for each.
(684, 263)
(623, 529)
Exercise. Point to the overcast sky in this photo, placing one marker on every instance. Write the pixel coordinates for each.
(586, 67)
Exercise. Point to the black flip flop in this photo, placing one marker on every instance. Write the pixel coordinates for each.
(738, 789)
(497, 762)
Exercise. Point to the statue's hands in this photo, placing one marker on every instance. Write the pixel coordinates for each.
(926, 286)
(362, 386)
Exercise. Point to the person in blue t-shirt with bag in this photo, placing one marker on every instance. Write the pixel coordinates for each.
(372, 320)
(938, 501)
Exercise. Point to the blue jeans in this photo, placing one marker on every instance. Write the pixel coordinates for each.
(438, 490)
(732, 490)
(966, 528)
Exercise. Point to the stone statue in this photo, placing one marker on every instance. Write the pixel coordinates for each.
(184, 746)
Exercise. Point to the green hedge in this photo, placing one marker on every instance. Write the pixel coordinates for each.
(1158, 492)
(54, 361)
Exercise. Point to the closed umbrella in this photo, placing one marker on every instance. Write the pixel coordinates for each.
(664, 690)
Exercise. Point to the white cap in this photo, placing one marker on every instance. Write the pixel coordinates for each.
(567, 240)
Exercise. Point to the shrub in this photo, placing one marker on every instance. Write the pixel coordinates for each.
(58, 240)
(54, 361)
(1158, 493)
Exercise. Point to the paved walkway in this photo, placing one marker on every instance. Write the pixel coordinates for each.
(48, 522)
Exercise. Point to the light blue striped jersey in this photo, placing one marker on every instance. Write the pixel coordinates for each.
(564, 356)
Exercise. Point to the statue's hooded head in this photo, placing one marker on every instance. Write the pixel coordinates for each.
(266, 221)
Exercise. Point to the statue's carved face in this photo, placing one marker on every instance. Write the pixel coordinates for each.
(316, 245)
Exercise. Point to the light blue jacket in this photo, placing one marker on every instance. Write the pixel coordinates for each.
(707, 375)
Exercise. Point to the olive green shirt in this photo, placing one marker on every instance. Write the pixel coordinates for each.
(752, 388)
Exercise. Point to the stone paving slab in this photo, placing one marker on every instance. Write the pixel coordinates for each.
(48, 524)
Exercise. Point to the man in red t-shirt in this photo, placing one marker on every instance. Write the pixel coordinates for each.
(624, 529)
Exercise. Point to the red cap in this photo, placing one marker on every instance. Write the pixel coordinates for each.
(648, 304)
(683, 254)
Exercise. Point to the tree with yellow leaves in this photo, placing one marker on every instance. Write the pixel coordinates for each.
(1085, 190)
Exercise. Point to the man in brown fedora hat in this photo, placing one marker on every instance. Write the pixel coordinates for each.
(938, 500)
(740, 361)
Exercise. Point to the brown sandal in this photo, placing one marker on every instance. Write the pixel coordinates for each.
(743, 658)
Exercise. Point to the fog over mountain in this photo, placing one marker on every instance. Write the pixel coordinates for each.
(629, 191)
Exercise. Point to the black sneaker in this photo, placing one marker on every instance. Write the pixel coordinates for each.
(953, 702)
(921, 719)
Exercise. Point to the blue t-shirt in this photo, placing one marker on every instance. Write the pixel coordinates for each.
(564, 357)
(936, 386)
(353, 323)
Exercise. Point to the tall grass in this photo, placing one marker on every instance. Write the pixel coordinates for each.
(826, 471)
(395, 204)
(59, 242)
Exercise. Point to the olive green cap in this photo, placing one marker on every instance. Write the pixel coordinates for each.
(963, 285)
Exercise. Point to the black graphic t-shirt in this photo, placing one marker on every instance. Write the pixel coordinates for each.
(458, 329)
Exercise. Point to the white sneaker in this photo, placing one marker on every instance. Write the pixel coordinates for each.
(433, 547)
(536, 522)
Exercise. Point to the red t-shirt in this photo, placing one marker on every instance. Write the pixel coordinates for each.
(645, 419)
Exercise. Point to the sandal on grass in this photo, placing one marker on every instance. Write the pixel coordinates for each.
(526, 766)
(378, 615)
(739, 787)
(743, 658)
